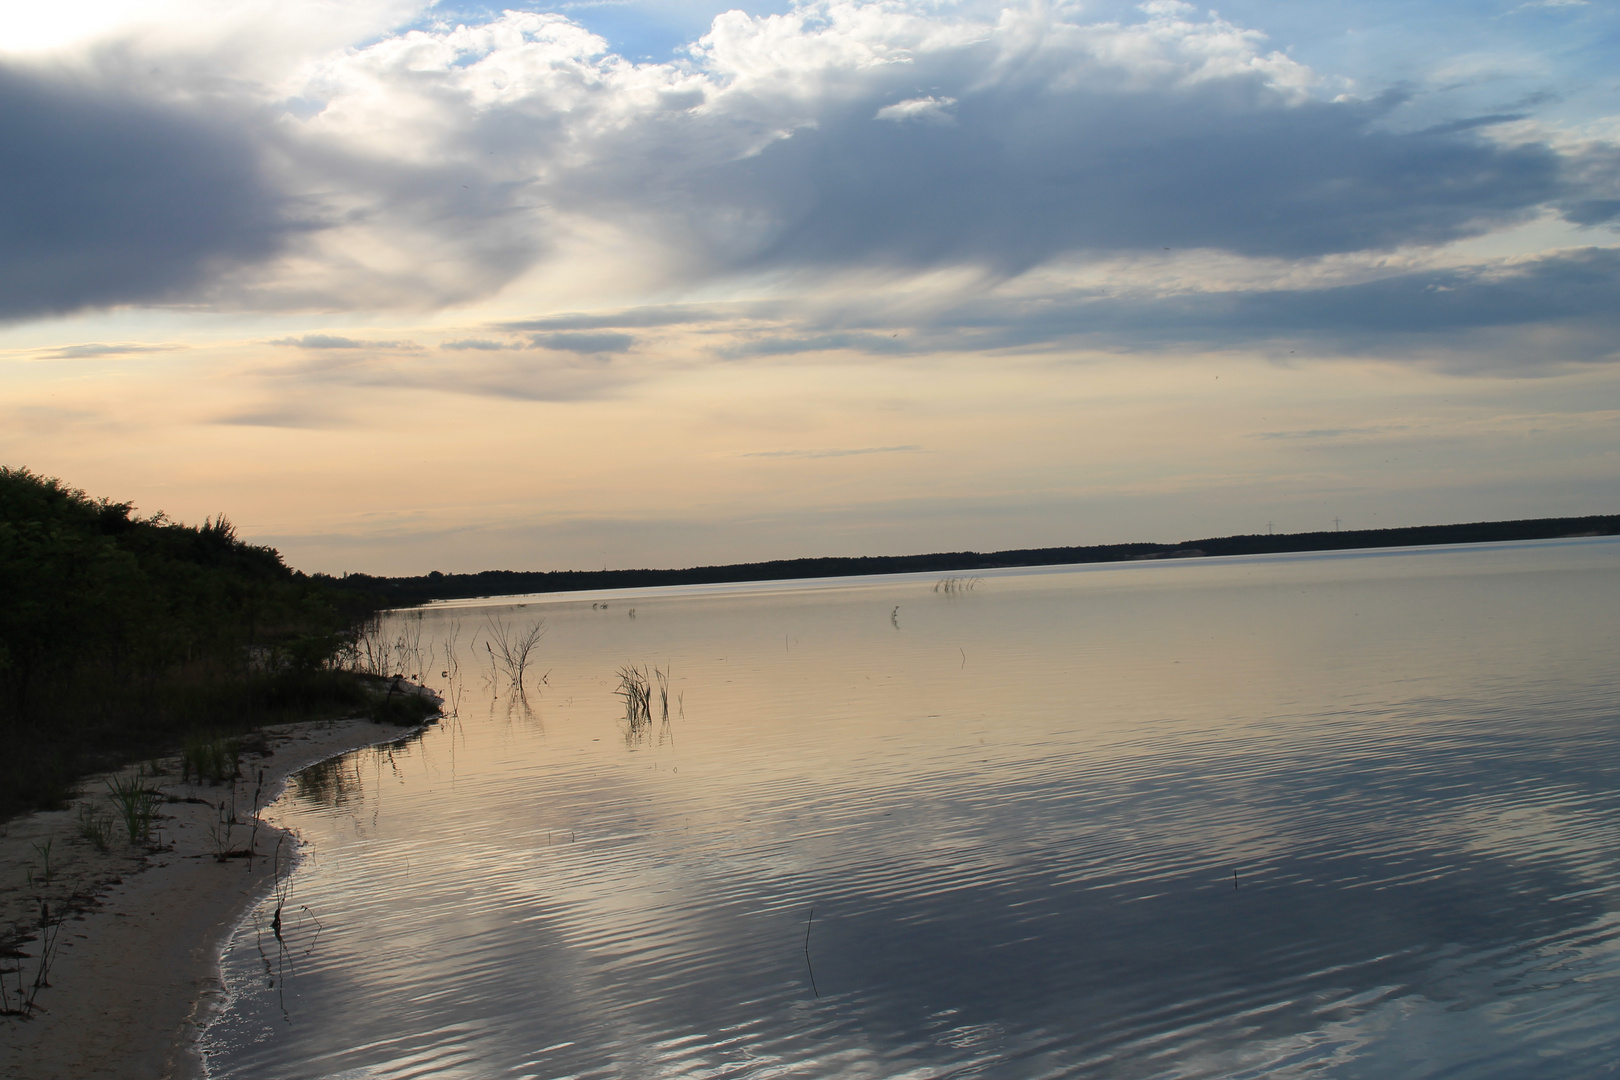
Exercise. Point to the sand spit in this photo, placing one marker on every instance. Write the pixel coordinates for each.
(135, 972)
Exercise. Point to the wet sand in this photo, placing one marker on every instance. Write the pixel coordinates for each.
(135, 976)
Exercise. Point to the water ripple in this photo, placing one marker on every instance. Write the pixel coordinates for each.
(1242, 818)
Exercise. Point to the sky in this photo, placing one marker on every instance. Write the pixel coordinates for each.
(402, 286)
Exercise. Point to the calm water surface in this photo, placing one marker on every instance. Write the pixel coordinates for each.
(1347, 815)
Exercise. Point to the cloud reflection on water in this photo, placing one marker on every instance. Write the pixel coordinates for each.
(1026, 868)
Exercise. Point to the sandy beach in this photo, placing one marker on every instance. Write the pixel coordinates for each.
(135, 974)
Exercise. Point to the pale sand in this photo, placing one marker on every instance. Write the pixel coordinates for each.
(136, 973)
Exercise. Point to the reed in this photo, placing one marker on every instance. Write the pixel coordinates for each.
(950, 586)
(809, 966)
(21, 1003)
(210, 757)
(635, 690)
(222, 832)
(95, 827)
(663, 690)
(388, 645)
(43, 850)
(136, 804)
(512, 647)
(452, 671)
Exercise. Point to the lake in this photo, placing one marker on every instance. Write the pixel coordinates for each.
(1350, 814)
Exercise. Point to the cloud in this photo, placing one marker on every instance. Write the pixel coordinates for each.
(97, 349)
(107, 199)
(296, 417)
(1067, 138)
(478, 344)
(584, 343)
(437, 165)
(1571, 287)
(634, 318)
(504, 374)
(929, 110)
(789, 345)
(332, 341)
(1535, 313)
(1313, 434)
(1525, 313)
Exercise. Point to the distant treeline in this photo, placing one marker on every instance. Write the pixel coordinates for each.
(405, 591)
(120, 635)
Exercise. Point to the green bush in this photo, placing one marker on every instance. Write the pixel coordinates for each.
(121, 634)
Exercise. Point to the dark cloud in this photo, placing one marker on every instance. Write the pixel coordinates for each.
(1575, 287)
(1571, 299)
(584, 343)
(1570, 302)
(1592, 211)
(1029, 172)
(107, 200)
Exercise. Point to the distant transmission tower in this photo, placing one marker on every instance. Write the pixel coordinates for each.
(1336, 524)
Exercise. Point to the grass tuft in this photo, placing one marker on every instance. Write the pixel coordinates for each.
(136, 804)
(210, 757)
(512, 647)
(95, 826)
(635, 690)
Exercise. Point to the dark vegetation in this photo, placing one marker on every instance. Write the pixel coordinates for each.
(401, 591)
(123, 637)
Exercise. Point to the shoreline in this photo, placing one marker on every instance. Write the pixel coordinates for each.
(436, 586)
(135, 976)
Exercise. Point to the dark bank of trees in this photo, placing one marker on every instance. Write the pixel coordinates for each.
(120, 635)
(401, 591)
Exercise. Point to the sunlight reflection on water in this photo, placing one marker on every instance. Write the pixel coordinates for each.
(1326, 815)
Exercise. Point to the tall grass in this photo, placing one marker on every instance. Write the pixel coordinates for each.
(637, 686)
(211, 758)
(43, 850)
(20, 1002)
(95, 827)
(136, 805)
(512, 647)
(635, 690)
(389, 644)
(452, 671)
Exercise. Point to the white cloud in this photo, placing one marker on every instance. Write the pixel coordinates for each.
(438, 165)
(930, 110)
